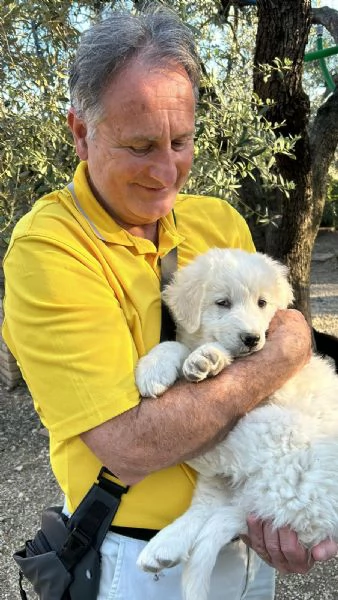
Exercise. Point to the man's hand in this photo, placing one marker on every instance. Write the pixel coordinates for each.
(291, 334)
(280, 547)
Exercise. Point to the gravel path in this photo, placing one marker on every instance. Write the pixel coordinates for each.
(27, 484)
(324, 283)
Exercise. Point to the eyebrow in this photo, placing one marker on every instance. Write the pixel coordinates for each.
(144, 138)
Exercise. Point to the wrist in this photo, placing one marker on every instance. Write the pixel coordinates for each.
(256, 377)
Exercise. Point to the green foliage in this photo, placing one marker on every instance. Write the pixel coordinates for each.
(278, 67)
(233, 139)
(35, 156)
(36, 153)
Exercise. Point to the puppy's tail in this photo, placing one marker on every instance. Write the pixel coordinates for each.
(224, 525)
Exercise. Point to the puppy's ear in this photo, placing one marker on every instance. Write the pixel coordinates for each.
(286, 296)
(184, 296)
(283, 291)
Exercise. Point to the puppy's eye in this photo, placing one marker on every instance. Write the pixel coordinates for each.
(261, 302)
(224, 303)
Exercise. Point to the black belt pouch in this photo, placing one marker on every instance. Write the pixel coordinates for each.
(62, 562)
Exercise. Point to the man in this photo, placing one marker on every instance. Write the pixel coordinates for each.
(83, 304)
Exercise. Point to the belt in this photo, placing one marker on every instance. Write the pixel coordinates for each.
(134, 532)
(141, 534)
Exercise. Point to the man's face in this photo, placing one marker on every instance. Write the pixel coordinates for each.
(141, 152)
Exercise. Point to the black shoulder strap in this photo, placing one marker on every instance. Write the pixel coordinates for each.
(168, 267)
(90, 522)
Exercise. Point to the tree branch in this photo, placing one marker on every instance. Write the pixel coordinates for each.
(328, 17)
(36, 39)
(323, 143)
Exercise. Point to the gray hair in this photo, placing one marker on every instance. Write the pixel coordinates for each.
(157, 35)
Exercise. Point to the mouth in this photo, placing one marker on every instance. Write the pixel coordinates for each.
(153, 188)
(246, 351)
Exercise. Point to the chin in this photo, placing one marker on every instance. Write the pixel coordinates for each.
(158, 208)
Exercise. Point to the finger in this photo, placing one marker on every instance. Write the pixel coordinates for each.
(256, 538)
(273, 548)
(297, 559)
(325, 550)
(255, 534)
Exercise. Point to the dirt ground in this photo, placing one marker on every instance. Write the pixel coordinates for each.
(27, 485)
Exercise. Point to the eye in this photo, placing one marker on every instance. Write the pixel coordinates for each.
(180, 144)
(261, 303)
(141, 151)
(226, 303)
(177, 144)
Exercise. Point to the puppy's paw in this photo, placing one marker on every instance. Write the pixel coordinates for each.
(162, 552)
(160, 368)
(153, 380)
(206, 361)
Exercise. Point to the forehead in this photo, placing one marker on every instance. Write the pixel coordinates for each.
(150, 94)
(243, 281)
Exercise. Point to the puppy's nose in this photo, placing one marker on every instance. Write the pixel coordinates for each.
(250, 340)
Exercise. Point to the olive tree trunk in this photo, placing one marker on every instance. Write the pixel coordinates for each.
(283, 29)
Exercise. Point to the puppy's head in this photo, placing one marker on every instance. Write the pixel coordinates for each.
(229, 296)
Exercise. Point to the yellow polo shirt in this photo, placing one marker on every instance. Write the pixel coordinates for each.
(82, 305)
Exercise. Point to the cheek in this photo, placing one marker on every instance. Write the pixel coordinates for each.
(264, 317)
(269, 314)
(215, 319)
(98, 160)
(119, 170)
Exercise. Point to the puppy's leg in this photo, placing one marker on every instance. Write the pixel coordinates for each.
(159, 369)
(206, 361)
(174, 543)
(224, 525)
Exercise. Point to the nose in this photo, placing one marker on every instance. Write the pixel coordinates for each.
(250, 340)
(163, 168)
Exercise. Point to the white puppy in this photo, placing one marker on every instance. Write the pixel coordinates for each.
(280, 460)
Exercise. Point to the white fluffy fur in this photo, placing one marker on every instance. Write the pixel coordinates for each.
(280, 460)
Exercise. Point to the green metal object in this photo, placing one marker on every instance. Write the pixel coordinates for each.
(326, 74)
(320, 55)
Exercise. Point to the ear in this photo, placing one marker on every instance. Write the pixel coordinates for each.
(284, 293)
(184, 296)
(79, 131)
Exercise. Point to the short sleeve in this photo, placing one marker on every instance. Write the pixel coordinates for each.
(80, 368)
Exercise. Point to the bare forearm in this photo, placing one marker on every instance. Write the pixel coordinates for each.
(161, 432)
(189, 418)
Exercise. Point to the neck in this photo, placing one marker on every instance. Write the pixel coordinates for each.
(149, 231)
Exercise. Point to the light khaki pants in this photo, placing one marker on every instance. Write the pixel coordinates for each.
(238, 575)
